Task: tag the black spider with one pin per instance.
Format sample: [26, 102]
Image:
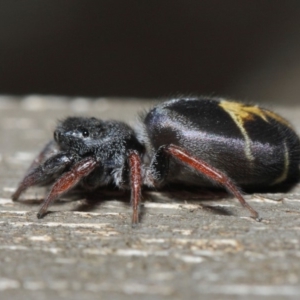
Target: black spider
[192, 141]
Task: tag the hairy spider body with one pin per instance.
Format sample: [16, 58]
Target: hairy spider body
[192, 141]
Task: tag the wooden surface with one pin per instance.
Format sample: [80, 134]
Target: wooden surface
[187, 245]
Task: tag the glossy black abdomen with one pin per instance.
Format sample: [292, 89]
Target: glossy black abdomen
[253, 146]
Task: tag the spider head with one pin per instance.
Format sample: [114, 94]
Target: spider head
[79, 134]
[104, 139]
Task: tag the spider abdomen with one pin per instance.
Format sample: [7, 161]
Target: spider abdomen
[253, 146]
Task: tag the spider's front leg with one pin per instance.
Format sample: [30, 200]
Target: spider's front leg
[44, 173]
[67, 181]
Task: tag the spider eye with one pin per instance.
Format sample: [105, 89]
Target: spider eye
[85, 133]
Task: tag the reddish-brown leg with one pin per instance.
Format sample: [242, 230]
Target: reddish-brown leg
[136, 183]
[67, 181]
[28, 181]
[212, 173]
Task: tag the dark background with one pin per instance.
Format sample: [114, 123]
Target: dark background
[243, 49]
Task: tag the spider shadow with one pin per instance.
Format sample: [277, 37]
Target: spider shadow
[193, 195]
[170, 194]
[87, 200]
[93, 199]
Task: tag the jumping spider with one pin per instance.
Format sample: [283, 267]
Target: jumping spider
[193, 141]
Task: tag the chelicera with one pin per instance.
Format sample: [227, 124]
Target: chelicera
[191, 141]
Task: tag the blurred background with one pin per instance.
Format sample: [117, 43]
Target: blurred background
[245, 49]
